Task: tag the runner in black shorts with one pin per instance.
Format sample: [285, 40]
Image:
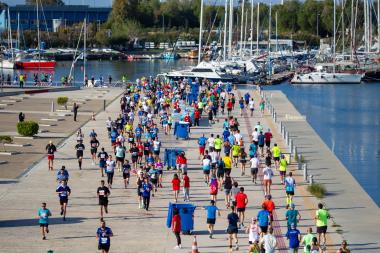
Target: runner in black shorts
[94, 144]
[126, 172]
[103, 192]
[80, 148]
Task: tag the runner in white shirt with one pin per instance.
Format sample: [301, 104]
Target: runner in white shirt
[255, 163]
[251, 105]
[238, 137]
[206, 166]
[255, 137]
[268, 174]
[214, 159]
[211, 143]
[259, 127]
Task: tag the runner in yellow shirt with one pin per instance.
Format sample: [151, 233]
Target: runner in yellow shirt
[218, 144]
[227, 164]
[283, 164]
[276, 153]
[235, 153]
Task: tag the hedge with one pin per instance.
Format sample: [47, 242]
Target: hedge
[27, 128]
[62, 100]
[5, 139]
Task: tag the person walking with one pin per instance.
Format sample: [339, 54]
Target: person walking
[146, 188]
[103, 193]
[233, 229]
[75, 111]
[251, 105]
[267, 179]
[186, 187]
[269, 206]
[292, 216]
[307, 239]
[50, 150]
[94, 144]
[120, 156]
[321, 218]
[43, 220]
[126, 173]
[103, 235]
[290, 185]
[176, 227]
[283, 166]
[276, 152]
[269, 241]
[62, 174]
[211, 217]
[63, 191]
[176, 186]
[254, 165]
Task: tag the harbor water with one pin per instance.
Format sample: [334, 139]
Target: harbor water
[347, 117]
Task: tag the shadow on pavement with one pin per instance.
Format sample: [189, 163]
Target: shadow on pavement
[34, 222]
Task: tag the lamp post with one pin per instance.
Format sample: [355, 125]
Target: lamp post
[318, 24]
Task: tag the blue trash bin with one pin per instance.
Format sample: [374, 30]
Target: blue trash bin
[181, 130]
[186, 212]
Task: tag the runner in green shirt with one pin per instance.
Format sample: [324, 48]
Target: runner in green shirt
[306, 240]
[235, 153]
[321, 217]
[276, 152]
[218, 144]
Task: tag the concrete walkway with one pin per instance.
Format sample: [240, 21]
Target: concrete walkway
[134, 229]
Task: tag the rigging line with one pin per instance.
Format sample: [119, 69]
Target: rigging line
[43, 14]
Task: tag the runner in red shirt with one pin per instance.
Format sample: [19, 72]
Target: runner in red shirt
[229, 107]
[176, 186]
[176, 227]
[140, 146]
[268, 135]
[269, 205]
[197, 116]
[241, 202]
[186, 187]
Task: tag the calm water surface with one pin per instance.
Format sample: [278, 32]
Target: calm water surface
[347, 117]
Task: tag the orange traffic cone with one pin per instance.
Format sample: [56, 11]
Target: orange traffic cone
[194, 247]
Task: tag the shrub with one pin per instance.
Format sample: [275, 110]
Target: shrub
[5, 139]
[62, 100]
[27, 128]
[318, 190]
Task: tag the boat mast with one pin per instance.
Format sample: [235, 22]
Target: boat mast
[10, 40]
[252, 27]
[276, 34]
[241, 28]
[334, 36]
[84, 51]
[18, 30]
[225, 30]
[200, 33]
[245, 27]
[257, 27]
[352, 29]
[269, 37]
[343, 28]
[38, 38]
[378, 26]
[230, 24]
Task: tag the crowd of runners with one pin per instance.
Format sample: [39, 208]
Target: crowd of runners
[134, 153]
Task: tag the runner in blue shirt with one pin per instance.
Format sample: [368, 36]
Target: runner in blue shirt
[146, 189]
[294, 237]
[211, 216]
[202, 145]
[246, 98]
[103, 235]
[252, 149]
[261, 142]
[63, 191]
[138, 132]
[226, 134]
[43, 220]
[263, 218]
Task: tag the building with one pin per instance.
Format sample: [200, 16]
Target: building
[51, 16]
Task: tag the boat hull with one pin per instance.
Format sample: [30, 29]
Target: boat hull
[35, 64]
[327, 78]
[5, 64]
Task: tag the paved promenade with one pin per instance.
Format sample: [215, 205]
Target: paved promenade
[138, 231]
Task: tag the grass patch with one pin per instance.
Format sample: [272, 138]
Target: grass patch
[302, 158]
[318, 190]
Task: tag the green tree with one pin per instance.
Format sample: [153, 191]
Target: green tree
[123, 10]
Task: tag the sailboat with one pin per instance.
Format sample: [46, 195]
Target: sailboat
[34, 61]
[8, 63]
[326, 73]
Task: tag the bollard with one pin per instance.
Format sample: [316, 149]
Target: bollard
[290, 145]
[294, 151]
[283, 133]
[299, 161]
[287, 137]
[52, 107]
[311, 180]
[104, 105]
[304, 167]
[275, 117]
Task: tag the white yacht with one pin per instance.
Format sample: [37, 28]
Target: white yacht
[324, 75]
[203, 70]
[7, 64]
